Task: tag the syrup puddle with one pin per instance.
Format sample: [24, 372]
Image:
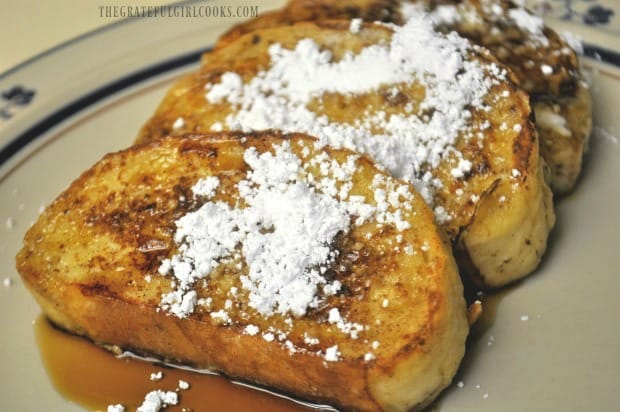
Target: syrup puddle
[478, 330]
[94, 378]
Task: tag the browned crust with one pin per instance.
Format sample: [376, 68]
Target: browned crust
[83, 262]
[316, 11]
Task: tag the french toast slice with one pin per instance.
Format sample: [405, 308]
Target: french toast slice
[260, 256]
[456, 124]
[544, 63]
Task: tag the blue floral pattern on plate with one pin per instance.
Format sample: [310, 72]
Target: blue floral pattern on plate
[589, 12]
[13, 99]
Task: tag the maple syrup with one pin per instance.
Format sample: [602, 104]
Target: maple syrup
[490, 304]
[94, 378]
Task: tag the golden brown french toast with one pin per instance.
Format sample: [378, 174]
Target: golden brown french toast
[387, 11]
[430, 108]
[307, 270]
[545, 65]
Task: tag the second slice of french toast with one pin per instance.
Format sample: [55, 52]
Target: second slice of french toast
[545, 64]
[431, 108]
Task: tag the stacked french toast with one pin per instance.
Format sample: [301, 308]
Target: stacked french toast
[300, 211]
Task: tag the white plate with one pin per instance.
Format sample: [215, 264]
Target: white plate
[552, 342]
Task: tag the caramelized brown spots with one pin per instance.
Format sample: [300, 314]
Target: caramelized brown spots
[97, 289]
[523, 146]
[568, 88]
[198, 148]
[99, 263]
[117, 219]
[394, 99]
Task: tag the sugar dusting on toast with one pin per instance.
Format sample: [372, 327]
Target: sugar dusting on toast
[286, 220]
[405, 144]
[288, 214]
[530, 25]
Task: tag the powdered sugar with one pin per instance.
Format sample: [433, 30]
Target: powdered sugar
[278, 230]
[156, 376]
[546, 69]
[529, 23]
[157, 400]
[230, 87]
[284, 232]
[302, 223]
[407, 145]
[178, 123]
[573, 41]
[206, 187]
[446, 13]
[355, 25]
[332, 354]
[350, 328]
[369, 357]
[483, 12]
